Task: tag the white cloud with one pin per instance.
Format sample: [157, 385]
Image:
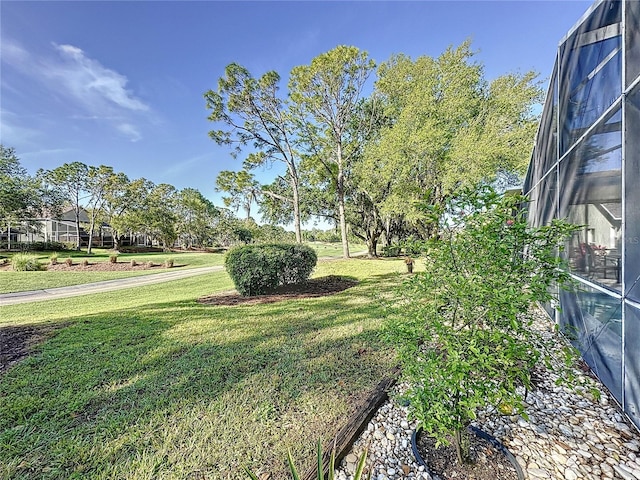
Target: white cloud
[90, 82]
[97, 92]
[13, 54]
[130, 131]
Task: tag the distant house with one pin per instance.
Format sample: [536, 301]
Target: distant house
[59, 229]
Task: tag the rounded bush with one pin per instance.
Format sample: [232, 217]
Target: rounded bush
[257, 269]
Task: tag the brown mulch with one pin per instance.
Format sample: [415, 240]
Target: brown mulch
[17, 342]
[96, 267]
[488, 463]
[102, 267]
[315, 287]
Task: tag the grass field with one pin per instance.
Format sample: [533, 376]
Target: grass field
[11, 281]
[335, 249]
[147, 383]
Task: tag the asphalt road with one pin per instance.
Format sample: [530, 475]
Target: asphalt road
[106, 286]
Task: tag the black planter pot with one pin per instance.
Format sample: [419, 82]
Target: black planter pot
[479, 433]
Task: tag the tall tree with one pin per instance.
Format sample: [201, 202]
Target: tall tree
[97, 185]
[123, 199]
[449, 128]
[159, 216]
[241, 187]
[70, 180]
[327, 94]
[197, 217]
[254, 116]
[21, 196]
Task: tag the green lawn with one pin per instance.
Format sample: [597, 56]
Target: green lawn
[11, 281]
[147, 383]
[335, 249]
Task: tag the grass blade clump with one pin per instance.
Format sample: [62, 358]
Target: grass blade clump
[24, 262]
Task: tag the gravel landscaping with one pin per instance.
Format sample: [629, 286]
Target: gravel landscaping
[569, 435]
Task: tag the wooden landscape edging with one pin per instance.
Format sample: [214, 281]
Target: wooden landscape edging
[348, 434]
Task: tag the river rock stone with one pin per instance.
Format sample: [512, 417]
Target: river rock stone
[569, 435]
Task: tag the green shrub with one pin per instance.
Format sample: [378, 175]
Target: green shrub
[463, 325]
[257, 269]
[391, 250]
[33, 246]
[22, 262]
[53, 259]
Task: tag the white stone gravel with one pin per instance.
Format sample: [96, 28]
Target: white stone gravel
[570, 434]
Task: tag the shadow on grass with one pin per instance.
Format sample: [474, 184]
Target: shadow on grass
[178, 389]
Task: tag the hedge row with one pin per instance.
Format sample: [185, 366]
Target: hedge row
[34, 246]
[258, 269]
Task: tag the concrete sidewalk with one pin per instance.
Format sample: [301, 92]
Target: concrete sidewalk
[99, 287]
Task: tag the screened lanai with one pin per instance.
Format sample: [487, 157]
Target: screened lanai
[586, 168]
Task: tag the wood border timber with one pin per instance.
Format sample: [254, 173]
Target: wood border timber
[348, 434]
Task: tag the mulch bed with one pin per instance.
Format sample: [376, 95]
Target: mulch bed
[315, 287]
[17, 342]
[489, 463]
[96, 267]
[103, 267]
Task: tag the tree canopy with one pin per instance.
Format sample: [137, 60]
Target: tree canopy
[370, 155]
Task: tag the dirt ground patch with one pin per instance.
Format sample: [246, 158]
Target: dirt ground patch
[17, 342]
[315, 287]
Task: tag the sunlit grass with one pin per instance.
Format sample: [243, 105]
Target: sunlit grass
[148, 383]
[11, 281]
[325, 249]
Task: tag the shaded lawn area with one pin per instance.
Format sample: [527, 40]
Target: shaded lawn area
[11, 281]
[151, 384]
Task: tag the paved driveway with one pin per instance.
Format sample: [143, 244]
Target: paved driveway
[106, 286]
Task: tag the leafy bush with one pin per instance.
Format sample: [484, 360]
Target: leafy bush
[34, 246]
[23, 262]
[391, 250]
[257, 269]
[139, 249]
[463, 333]
[53, 259]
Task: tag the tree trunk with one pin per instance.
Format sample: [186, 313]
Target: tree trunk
[296, 205]
[463, 445]
[90, 237]
[78, 240]
[372, 247]
[341, 213]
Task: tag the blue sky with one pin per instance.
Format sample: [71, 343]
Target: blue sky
[121, 83]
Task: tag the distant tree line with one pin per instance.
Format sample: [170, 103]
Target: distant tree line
[374, 164]
[164, 214]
